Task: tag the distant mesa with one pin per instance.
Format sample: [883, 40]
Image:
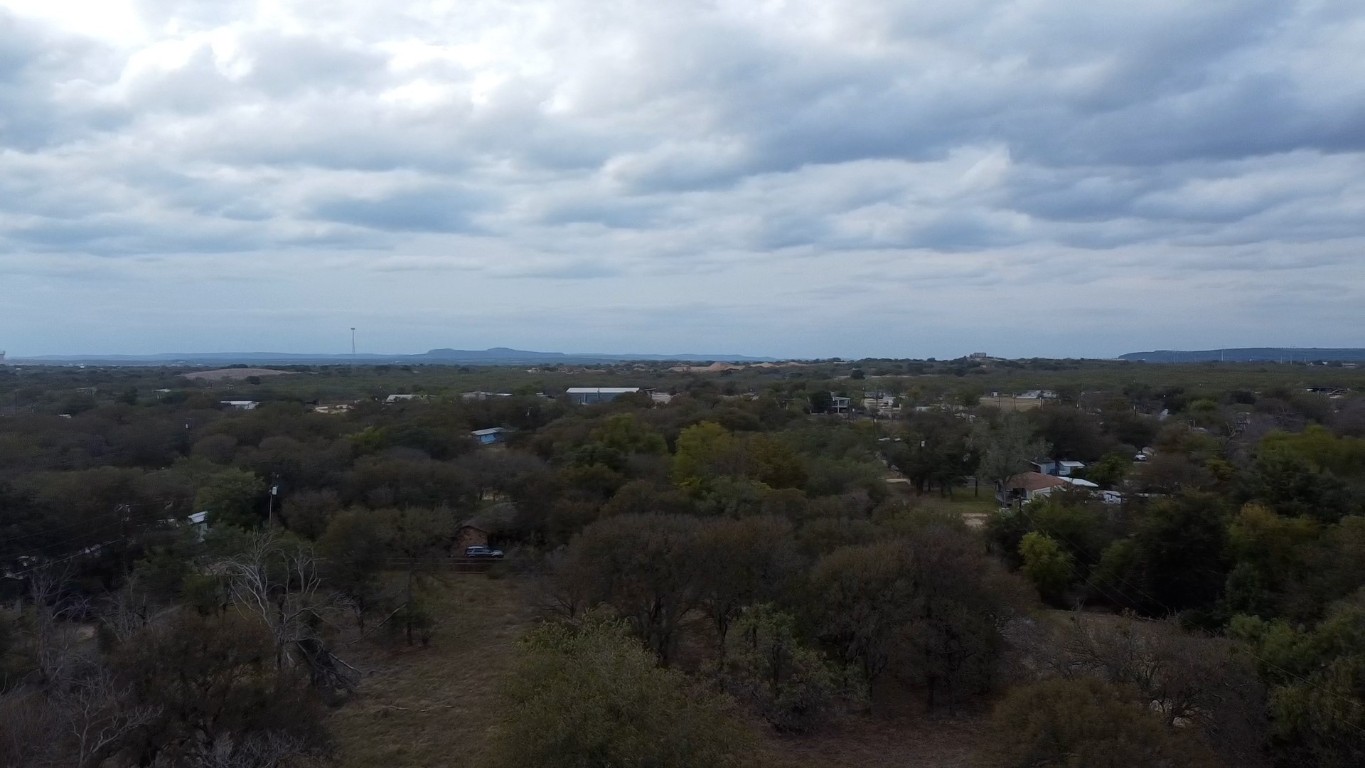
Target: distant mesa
[234, 374]
[1250, 355]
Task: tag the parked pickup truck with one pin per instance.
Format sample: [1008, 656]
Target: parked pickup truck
[482, 553]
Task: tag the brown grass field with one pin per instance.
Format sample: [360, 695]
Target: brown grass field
[437, 706]
[234, 374]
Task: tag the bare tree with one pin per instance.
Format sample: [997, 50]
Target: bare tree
[127, 611]
[277, 581]
[30, 730]
[1191, 681]
[54, 632]
[101, 716]
[272, 749]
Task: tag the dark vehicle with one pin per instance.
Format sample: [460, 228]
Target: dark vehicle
[482, 553]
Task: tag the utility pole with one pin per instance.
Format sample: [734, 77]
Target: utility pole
[352, 349]
[274, 491]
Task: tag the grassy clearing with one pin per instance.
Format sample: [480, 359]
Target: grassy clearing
[435, 706]
[872, 742]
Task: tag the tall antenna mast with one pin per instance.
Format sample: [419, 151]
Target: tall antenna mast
[353, 348]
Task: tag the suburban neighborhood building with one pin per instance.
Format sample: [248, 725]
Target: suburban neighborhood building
[1027, 486]
[483, 395]
[490, 436]
[882, 404]
[1068, 468]
[594, 395]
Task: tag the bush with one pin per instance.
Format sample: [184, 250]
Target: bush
[1086, 723]
[791, 686]
[586, 695]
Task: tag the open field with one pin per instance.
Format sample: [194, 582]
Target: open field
[437, 706]
[426, 707]
[234, 374]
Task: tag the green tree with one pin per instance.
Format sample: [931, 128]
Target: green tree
[1086, 723]
[354, 551]
[646, 567]
[1183, 549]
[218, 696]
[741, 563]
[232, 497]
[1272, 554]
[1006, 447]
[1110, 471]
[1317, 679]
[926, 608]
[792, 686]
[1047, 565]
[705, 451]
[587, 696]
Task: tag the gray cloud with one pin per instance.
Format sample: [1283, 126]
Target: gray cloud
[419, 209]
[768, 175]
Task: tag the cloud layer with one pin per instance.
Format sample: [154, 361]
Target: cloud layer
[786, 177]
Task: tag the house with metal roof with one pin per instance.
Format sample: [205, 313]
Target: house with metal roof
[594, 395]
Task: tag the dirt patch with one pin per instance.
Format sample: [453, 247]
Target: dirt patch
[435, 706]
[872, 742]
[234, 374]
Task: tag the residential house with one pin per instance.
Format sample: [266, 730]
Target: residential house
[471, 534]
[491, 436]
[1044, 466]
[1028, 486]
[882, 404]
[1076, 482]
[484, 395]
[1068, 468]
[480, 530]
[240, 405]
[594, 395]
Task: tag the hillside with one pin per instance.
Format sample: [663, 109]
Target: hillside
[1250, 355]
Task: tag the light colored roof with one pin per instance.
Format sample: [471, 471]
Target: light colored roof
[1073, 464]
[601, 390]
[1079, 483]
[489, 431]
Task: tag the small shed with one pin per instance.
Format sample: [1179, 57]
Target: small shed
[490, 436]
[1066, 468]
[486, 526]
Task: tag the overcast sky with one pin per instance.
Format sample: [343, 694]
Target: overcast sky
[787, 178]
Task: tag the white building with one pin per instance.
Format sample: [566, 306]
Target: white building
[593, 395]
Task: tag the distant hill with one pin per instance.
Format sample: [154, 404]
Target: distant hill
[505, 356]
[1250, 355]
[494, 356]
